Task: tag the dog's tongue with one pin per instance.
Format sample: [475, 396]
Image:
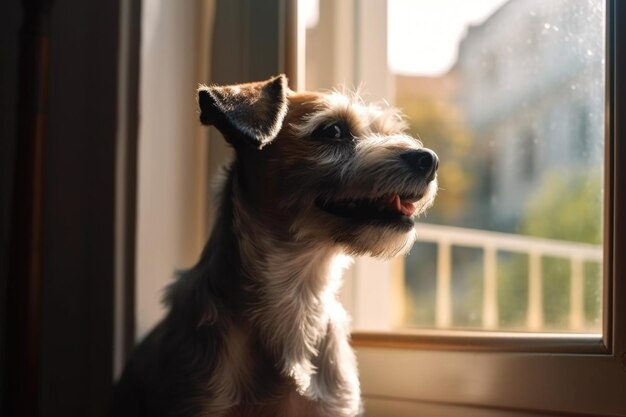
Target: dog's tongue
[404, 207]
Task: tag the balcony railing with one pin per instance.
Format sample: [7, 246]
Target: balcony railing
[491, 243]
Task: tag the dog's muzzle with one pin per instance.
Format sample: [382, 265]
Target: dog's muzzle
[424, 161]
[394, 206]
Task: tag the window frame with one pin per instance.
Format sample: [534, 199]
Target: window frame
[535, 374]
[556, 373]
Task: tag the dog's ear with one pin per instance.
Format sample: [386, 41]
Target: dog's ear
[253, 112]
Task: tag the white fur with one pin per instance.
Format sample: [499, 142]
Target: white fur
[298, 315]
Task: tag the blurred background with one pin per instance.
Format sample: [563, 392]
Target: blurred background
[510, 94]
[106, 173]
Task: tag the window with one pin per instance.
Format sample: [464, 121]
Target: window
[506, 123]
[510, 298]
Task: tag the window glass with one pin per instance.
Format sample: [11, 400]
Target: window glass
[510, 94]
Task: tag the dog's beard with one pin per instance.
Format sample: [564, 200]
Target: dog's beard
[381, 242]
[385, 235]
[356, 238]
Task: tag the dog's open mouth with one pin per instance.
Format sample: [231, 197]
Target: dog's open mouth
[390, 208]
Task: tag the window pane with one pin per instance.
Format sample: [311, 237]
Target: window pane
[510, 94]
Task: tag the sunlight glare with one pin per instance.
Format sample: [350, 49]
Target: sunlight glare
[424, 35]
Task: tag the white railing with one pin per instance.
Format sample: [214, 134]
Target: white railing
[446, 237]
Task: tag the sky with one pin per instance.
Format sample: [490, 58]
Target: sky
[424, 34]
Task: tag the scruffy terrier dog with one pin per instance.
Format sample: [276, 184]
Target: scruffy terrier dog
[255, 328]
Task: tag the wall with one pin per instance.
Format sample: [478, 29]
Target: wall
[177, 156]
[172, 180]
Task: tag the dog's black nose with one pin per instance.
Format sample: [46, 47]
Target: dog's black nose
[424, 161]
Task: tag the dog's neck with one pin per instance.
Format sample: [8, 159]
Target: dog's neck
[293, 287]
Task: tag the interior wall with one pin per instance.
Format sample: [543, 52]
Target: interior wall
[224, 42]
[172, 181]
[246, 46]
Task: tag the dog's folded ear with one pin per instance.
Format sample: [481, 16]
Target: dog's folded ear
[253, 112]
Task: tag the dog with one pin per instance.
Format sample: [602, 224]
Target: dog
[255, 327]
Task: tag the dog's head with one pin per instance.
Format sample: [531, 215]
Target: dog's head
[324, 167]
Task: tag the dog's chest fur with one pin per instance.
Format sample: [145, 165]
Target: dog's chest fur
[287, 284]
[291, 404]
[247, 370]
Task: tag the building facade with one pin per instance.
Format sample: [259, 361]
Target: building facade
[531, 85]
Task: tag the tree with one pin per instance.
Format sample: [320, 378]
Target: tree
[566, 206]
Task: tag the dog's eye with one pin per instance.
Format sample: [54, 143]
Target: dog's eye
[331, 131]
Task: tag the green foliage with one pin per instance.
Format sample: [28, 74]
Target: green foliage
[593, 294]
[566, 206]
[555, 291]
[421, 284]
[467, 281]
[512, 290]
